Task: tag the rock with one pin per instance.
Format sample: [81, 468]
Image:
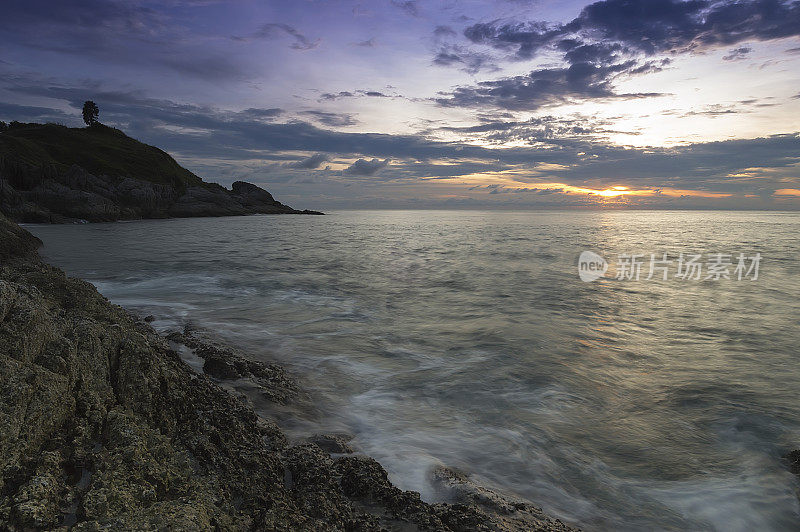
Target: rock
[15, 242]
[37, 503]
[333, 443]
[251, 195]
[149, 318]
[222, 362]
[792, 460]
[508, 512]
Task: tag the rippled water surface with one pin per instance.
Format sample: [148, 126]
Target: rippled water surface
[467, 339]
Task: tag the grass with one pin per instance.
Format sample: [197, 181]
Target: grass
[100, 150]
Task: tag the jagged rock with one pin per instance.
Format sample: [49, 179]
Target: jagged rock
[222, 362]
[508, 512]
[251, 195]
[792, 460]
[333, 443]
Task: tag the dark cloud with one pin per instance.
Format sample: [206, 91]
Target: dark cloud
[611, 38]
[116, 33]
[469, 61]
[369, 43]
[332, 119]
[352, 94]
[31, 113]
[337, 95]
[312, 162]
[409, 6]
[737, 54]
[80, 25]
[364, 167]
[262, 113]
[540, 129]
[544, 87]
[272, 30]
[444, 31]
[597, 53]
[650, 26]
[526, 39]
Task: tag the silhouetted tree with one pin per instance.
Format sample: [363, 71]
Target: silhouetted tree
[90, 112]
[3, 126]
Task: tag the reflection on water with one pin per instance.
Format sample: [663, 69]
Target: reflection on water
[466, 338]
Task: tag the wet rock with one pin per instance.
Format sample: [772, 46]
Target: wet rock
[222, 362]
[333, 443]
[792, 460]
[507, 512]
[149, 318]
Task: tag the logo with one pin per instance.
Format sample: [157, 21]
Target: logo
[591, 266]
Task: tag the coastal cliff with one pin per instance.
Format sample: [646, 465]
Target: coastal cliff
[55, 174]
[104, 427]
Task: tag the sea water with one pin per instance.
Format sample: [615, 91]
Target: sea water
[468, 339]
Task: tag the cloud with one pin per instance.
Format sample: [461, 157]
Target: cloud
[525, 38]
[737, 54]
[352, 94]
[369, 43]
[337, 95]
[332, 119]
[272, 30]
[364, 167]
[87, 23]
[538, 129]
[544, 87]
[114, 33]
[470, 62]
[612, 38]
[650, 26]
[444, 31]
[409, 6]
[312, 162]
[257, 113]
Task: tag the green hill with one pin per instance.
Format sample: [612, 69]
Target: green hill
[100, 150]
[53, 174]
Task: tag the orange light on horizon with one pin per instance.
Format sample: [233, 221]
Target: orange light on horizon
[618, 191]
[787, 192]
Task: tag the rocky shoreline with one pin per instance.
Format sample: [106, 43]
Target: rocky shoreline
[104, 427]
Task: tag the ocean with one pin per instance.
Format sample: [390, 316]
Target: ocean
[468, 339]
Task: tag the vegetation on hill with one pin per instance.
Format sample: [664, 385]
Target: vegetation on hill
[99, 149]
[55, 174]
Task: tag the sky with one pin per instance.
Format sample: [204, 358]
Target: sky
[506, 104]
